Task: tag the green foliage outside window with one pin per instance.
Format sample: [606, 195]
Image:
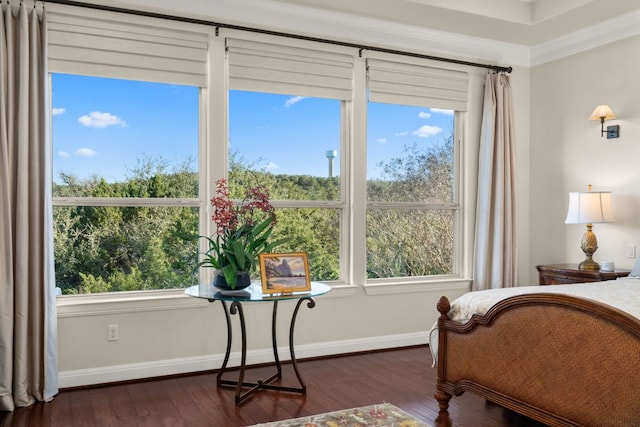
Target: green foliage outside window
[412, 242]
[106, 248]
[313, 230]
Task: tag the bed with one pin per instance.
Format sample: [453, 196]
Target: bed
[566, 355]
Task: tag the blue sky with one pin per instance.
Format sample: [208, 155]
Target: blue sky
[104, 126]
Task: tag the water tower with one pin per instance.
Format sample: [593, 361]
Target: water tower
[331, 154]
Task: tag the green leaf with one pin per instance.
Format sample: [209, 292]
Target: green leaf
[240, 256]
[230, 276]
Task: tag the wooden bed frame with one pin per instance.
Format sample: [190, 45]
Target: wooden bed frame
[561, 360]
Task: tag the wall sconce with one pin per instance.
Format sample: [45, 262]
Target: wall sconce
[602, 113]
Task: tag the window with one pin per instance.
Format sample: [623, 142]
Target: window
[125, 183]
[410, 191]
[141, 126]
[288, 103]
[126, 136]
[292, 146]
[412, 173]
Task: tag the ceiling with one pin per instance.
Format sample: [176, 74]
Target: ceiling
[525, 32]
[519, 11]
[525, 22]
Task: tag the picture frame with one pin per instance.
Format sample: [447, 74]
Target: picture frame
[284, 273]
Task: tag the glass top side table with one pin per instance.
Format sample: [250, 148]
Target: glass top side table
[253, 294]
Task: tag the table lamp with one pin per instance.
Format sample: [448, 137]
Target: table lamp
[591, 207]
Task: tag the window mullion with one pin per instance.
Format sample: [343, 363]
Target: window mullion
[124, 201]
[408, 205]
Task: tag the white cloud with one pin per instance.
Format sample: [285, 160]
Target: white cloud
[424, 115]
[403, 133]
[426, 131]
[97, 119]
[85, 152]
[441, 111]
[381, 140]
[57, 111]
[270, 166]
[293, 100]
[63, 154]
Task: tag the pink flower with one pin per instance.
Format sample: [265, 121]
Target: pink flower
[243, 231]
[254, 207]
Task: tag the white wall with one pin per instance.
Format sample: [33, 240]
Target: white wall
[172, 333]
[520, 84]
[567, 152]
[183, 334]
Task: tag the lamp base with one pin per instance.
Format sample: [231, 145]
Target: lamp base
[589, 265]
[589, 246]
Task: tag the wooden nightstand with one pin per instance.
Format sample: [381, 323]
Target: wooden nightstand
[562, 274]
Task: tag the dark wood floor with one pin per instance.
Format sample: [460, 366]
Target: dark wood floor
[402, 377]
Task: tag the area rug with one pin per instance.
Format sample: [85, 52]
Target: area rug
[382, 415]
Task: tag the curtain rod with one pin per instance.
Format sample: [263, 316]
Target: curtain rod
[496, 68]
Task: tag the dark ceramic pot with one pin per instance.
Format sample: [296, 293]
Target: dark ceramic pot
[243, 281]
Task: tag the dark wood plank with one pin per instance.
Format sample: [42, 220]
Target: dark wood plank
[403, 377]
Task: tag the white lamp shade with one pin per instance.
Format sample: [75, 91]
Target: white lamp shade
[589, 208]
[602, 111]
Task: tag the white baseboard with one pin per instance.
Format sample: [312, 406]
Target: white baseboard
[158, 368]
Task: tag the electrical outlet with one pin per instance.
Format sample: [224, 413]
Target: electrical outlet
[113, 334]
[631, 250]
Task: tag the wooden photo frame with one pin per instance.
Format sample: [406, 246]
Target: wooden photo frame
[284, 273]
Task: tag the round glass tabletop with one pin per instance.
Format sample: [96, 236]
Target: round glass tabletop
[253, 293]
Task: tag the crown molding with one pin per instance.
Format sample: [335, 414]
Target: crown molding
[605, 32]
[358, 29]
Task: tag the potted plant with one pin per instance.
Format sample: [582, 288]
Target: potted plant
[242, 233]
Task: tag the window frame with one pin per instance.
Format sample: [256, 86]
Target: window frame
[281, 77]
[125, 202]
[212, 165]
[455, 205]
[339, 205]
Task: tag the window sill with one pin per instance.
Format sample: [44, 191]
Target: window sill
[125, 302]
[175, 299]
[133, 302]
[438, 285]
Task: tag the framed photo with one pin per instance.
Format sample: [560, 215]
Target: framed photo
[284, 273]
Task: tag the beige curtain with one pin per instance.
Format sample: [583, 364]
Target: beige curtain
[28, 352]
[495, 254]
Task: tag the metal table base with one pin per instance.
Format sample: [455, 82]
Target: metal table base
[245, 390]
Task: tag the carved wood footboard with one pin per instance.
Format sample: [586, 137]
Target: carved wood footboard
[561, 360]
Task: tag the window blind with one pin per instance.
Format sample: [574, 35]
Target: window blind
[288, 69]
[421, 86]
[116, 45]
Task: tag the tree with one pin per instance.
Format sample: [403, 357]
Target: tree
[412, 242]
[107, 248]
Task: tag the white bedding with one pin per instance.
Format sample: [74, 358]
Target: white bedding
[623, 294]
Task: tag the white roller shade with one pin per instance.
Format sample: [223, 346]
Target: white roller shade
[421, 86]
[117, 45]
[287, 69]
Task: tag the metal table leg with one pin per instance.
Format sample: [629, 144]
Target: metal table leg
[252, 388]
